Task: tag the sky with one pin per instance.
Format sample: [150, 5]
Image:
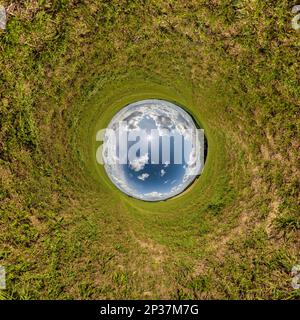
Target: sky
[153, 172]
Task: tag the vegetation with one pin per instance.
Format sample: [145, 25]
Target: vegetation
[66, 67]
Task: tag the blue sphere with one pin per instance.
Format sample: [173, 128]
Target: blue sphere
[156, 152]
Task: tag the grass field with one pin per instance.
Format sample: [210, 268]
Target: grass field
[66, 67]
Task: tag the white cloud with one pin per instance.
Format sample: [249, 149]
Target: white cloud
[138, 164]
[143, 176]
[166, 164]
[162, 172]
[153, 195]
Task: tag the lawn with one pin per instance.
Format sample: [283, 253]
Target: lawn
[66, 67]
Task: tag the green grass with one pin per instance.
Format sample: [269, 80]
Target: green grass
[66, 67]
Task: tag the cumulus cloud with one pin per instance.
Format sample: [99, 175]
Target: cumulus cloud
[153, 195]
[117, 176]
[166, 164]
[143, 176]
[139, 163]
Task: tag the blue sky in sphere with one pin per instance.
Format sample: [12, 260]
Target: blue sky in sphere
[174, 171]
